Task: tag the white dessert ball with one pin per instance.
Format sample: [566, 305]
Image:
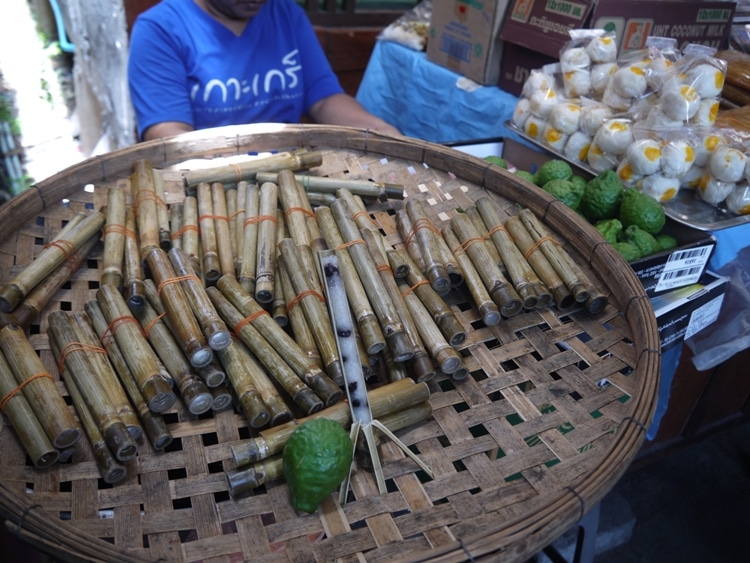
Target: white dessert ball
[577, 82]
[706, 146]
[659, 69]
[542, 102]
[680, 103]
[577, 147]
[565, 117]
[554, 138]
[614, 136]
[747, 171]
[592, 117]
[602, 49]
[727, 164]
[692, 177]
[600, 76]
[707, 79]
[534, 127]
[537, 81]
[661, 188]
[677, 157]
[630, 81]
[614, 100]
[627, 175]
[574, 58]
[598, 160]
[712, 190]
[644, 156]
[708, 111]
[657, 118]
[521, 112]
[738, 201]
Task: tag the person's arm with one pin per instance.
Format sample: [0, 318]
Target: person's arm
[166, 129]
[342, 109]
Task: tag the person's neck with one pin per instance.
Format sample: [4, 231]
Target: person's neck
[236, 26]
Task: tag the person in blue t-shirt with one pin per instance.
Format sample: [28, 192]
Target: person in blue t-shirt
[195, 64]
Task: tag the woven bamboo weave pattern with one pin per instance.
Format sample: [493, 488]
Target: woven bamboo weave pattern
[553, 410]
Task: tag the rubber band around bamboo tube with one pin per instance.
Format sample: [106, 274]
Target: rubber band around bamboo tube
[8, 396]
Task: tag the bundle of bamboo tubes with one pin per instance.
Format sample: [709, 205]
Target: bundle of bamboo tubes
[217, 300]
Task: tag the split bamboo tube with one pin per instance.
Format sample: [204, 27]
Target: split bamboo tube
[243, 383]
[486, 307]
[265, 257]
[39, 388]
[384, 400]
[235, 173]
[213, 327]
[246, 274]
[307, 370]
[110, 467]
[78, 372]
[182, 321]
[441, 313]
[193, 390]
[445, 356]
[55, 253]
[176, 223]
[324, 185]
[209, 244]
[243, 481]
[191, 232]
[425, 233]
[114, 237]
[145, 204]
[538, 260]
[553, 250]
[500, 290]
[140, 358]
[274, 361]
[15, 406]
[224, 244]
[390, 322]
[133, 291]
[87, 336]
[153, 423]
[277, 408]
[521, 273]
[313, 304]
[422, 367]
[367, 322]
[303, 336]
[162, 212]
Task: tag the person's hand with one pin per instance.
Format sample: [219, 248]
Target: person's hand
[342, 109]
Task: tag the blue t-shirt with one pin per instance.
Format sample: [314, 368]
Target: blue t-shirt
[185, 66]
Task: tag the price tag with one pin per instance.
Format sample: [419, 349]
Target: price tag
[684, 267]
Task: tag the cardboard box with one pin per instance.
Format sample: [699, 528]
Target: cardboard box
[516, 64]
[465, 38]
[683, 312]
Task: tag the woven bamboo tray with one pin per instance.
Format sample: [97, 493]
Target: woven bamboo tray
[521, 450]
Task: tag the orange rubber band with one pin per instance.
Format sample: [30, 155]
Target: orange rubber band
[249, 319]
[152, 322]
[537, 244]
[301, 210]
[301, 296]
[213, 218]
[356, 216]
[13, 392]
[237, 172]
[346, 245]
[384, 268]
[112, 327]
[414, 287]
[69, 250]
[469, 241]
[176, 279]
[178, 234]
[117, 229]
[71, 347]
[424, 223]
[495, 229]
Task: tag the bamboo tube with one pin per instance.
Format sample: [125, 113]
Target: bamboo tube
[501, 292]
[472, 212]
[86, 334]
[145, 206]
[54, 254]
[243, 481]
[39, 388]
[266, 246]
[325, 185]
[295, 208]
[367, 322]
[553, 251]
[162, 212]
[317, 241]
[404, 225]
[77, 371]
[15, 406]
[317, 199]
[37, 299]
[277, 408]
[308, 371]
[222, 396]
[193, 390]
[390, 322]
[209, 244]
[139, 356]
[425, 233]
[239, 224]
[597, 300]
[224, 245]
[213, 327]
[213, 374]
[182, 321]
[519, 270]
[384, 400]
[133, 291]
[235, 173]
[486, 307]
[361, 216]
[445, 356]
[191, 232]
[313, 305]
[399, 264]
[422, 367]
[114, 238]
[176, 223]
[230, 195]
[274, 362]
[250, 238]
[442, 315]
[243, 383]
[153, 423]
[278, 305]
[303, 336]
[538, 260]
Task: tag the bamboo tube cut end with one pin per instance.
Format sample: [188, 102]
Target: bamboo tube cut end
[255, 410]
[46, 459]
[308, 401]
[197, 397]
[158, 395]
[243, 481]
[67, 438]
[421, 368]
[120, 441]
[10, 296]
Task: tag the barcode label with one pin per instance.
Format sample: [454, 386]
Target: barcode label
[684, 267]
[456, 49]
